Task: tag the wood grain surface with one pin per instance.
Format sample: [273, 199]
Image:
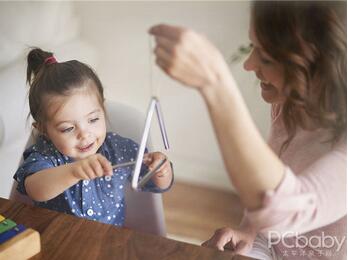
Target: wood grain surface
[67, 237]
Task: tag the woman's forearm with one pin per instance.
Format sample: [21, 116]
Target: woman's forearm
[192, 60]
[49, 183]
[251, 164]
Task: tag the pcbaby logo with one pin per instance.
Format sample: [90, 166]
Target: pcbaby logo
[301, 241]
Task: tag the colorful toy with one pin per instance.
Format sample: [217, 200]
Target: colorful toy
[17, 241]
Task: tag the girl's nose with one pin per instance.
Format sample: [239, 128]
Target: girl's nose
[83, 133]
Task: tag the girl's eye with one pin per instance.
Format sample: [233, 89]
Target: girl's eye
[67, 130]
[94, 120]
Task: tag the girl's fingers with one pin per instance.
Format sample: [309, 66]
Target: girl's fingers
[88, 170]
[156, 161]
[105, 164]
[164, 169]
[82, 174]
[97, 168]
[162, 173]
[147, 159]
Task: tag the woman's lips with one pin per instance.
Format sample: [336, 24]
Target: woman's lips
[265, 86]
[85, 148]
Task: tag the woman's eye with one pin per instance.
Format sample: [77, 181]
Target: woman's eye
[94, 120]
[265, 61]
[67, 130]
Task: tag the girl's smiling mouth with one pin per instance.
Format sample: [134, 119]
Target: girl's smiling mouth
[86, 148]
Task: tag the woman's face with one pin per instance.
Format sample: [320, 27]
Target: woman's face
[267, 70]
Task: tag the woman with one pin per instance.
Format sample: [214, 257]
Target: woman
[294, 187]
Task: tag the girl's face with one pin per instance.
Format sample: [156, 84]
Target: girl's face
[76, 124]
[267, 70]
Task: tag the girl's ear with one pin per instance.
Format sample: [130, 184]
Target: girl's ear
[39, 128]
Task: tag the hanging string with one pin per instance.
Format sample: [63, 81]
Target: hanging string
[153, 85]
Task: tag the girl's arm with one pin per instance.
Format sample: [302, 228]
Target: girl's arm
[49, 183]
[191, 59]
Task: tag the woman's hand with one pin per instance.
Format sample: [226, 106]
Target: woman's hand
[164, 174]
[189, 57]
[91, 167]
[235, 240]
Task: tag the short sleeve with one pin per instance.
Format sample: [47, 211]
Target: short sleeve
[33, 162]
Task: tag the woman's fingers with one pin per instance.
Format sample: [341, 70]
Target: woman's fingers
[221, 240]
[188, 57]
[206, 243]
[166, 31]
[163, 58]
[241, 247]
[167, 45]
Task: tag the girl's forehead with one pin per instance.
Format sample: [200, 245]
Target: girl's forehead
[76, 104]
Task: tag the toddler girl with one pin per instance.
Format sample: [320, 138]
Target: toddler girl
[69, 168]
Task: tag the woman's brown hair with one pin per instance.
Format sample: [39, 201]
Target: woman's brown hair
[55, 78]
[309, 39]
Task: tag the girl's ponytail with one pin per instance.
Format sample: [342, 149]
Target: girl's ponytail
[36, 60]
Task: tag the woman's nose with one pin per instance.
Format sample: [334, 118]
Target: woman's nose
[250, 63]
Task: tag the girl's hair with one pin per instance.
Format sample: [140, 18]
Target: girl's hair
[46, 78]
[309, 40]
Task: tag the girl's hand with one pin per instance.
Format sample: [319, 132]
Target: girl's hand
[235, 240]
[189, 57]
[164, 174]
[91, 167]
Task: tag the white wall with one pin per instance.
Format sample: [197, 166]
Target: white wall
[112, 37]
[49, 25]
[119, 31]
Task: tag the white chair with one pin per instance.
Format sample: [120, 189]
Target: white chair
[144, 210]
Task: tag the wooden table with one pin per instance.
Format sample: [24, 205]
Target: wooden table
[67, 237]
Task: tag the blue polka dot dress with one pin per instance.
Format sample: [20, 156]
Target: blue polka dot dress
[101, 199]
